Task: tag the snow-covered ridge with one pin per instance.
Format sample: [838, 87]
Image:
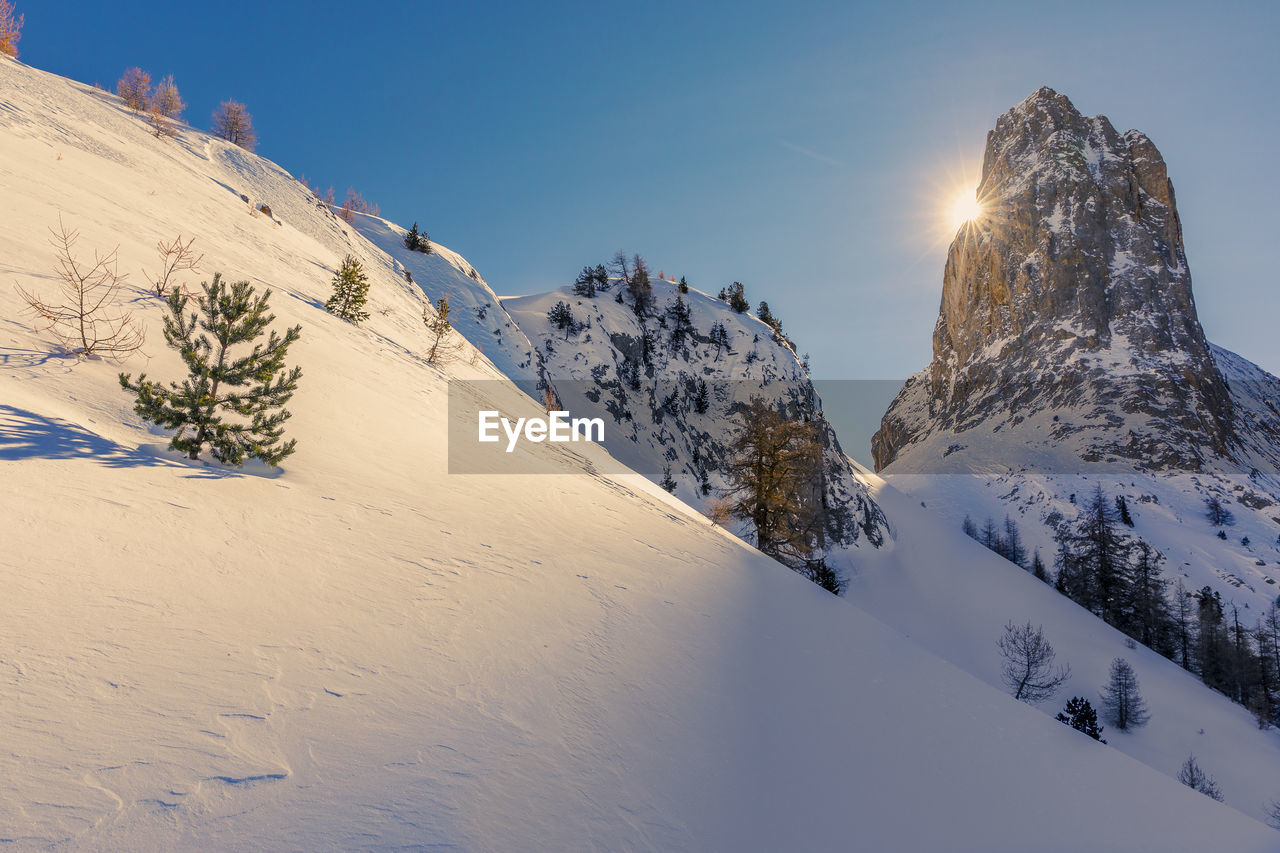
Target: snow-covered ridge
[673, 389]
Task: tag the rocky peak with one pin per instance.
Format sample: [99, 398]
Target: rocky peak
[1070, 292]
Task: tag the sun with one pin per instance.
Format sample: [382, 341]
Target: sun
[964, 208]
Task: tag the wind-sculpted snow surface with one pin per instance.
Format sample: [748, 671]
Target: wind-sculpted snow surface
[361, 651]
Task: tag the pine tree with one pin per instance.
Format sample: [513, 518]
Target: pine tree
[233, 404]
[1182, 625]
[683, 286]
[1122, 507]
[561, 316]
[668, 482]
[765, 315]
[823, 575]
[969, 528]
[1081, 716]
[681, 321]
[1095, 570]
[350, 292]
[988, 535]
[1122, 703]
[1037, 567]
[1218, 515]
[737, 298]
[1013, 549]
[639, 288]
[442, 348]
[1266, 638]
[1242, 664]
[1146, 612]
[1211, 644]
[701, 398]
[413, 240]
[720, 337]
[585, 283]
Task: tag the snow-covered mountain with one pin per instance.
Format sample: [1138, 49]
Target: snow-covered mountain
[1068, 357]
[1067, 318]
[672, 385]
[1068, 350]
[362, 651]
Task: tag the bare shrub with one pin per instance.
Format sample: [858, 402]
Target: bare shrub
[720, 510]
[161, 125]
[175, 257]
[134, 88]
[355, 203]
[86, 319]
[1193, 777]
[232, 122]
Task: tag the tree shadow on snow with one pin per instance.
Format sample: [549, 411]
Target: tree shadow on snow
[13, 357]
[26, 435]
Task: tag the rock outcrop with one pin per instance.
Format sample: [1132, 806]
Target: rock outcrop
[1067, 308]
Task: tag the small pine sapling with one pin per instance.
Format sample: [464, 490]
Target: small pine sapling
[442, 347]
[350, 292]
[232, 403]
[1081, 716]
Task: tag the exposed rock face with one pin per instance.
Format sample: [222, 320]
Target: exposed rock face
[1070, 296]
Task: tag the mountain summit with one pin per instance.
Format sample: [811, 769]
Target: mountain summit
[1067, 309]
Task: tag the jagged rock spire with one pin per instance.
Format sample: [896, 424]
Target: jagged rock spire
[1070, 292]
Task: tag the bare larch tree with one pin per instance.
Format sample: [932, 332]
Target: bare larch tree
[232, 122]
[1028, 669]
[86, 319]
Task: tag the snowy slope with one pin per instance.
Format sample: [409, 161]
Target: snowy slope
[476, 311]
[954, 596]
[364, 652]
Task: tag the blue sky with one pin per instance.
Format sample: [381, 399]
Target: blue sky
[804, 149]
